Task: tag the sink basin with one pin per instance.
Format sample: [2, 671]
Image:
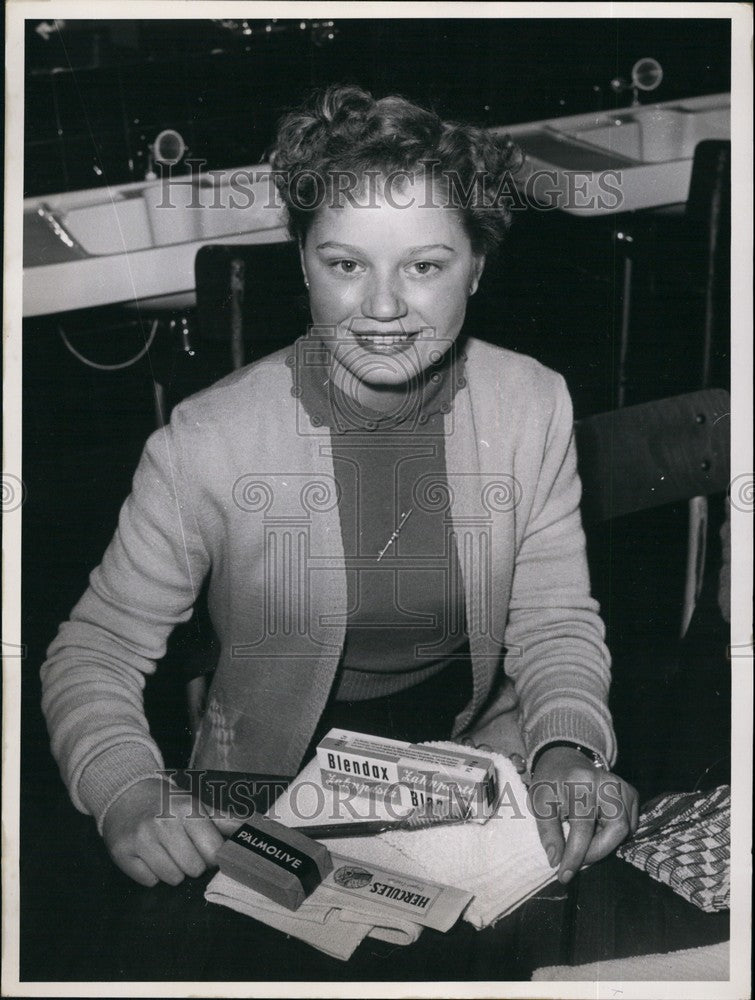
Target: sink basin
[658, 134]
[638, 157]
[156, 214]
[138, 242]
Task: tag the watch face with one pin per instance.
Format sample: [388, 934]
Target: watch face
[595, 759]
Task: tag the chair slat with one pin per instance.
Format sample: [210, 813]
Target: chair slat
[654, 453]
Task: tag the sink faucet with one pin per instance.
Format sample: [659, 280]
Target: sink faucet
[168, 149]
[646, 75]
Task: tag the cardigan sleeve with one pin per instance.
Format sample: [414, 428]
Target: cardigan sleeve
[96, 667]
[554, 637]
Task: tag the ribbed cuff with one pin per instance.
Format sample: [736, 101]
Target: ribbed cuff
[111, 773]
[571, 725]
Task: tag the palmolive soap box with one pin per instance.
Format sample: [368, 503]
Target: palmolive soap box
[282, 864]
[451, 783]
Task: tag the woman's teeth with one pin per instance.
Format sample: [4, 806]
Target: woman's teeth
[384, 340]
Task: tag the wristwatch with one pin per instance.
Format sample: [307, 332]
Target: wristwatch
[596, 759]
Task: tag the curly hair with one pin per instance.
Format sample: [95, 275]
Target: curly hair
[343, 136]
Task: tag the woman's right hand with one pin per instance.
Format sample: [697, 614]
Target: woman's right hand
[150, 846]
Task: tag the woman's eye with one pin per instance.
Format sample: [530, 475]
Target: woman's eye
[345, 266]
[423, 267]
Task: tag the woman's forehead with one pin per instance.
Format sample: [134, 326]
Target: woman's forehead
[405, 217]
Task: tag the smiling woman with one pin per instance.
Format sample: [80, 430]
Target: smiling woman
[387, 510]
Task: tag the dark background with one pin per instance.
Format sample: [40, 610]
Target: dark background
[99, 91]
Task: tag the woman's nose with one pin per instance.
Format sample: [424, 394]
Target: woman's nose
[384, 300]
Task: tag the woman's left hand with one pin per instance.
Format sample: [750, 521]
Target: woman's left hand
[600, 807]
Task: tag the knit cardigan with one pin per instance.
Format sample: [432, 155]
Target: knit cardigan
[241, 485]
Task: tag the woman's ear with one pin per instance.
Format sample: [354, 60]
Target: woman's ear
[478, 267]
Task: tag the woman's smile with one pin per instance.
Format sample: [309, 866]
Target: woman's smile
[385, 343]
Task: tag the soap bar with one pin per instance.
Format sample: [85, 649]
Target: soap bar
[281, 864]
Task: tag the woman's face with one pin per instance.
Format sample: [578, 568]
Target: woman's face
[388, 284]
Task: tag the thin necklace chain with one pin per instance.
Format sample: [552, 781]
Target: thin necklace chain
[396, 533]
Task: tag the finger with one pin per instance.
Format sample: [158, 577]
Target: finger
[136, 869]
[607, 838]
[182, 850]
[206, 837]
[545, 806]
[617, 817]
[581, 830]
[617, 799]
[552, 839]
[155, 856]
[634, 813]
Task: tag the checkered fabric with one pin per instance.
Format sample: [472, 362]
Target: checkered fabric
[683, 841]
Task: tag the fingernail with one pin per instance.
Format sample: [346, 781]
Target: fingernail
[566, 876]
[551, 852]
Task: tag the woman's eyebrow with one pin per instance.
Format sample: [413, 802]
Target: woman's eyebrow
[431, 246]
[331, 245]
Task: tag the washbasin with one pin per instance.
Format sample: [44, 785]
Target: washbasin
[635, 158]
[108, 221]
[138, 242]
[658, 135]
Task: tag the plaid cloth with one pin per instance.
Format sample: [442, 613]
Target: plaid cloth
[683, 841]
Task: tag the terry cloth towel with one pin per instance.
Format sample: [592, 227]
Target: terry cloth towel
[708, 964]
[683, 841]
[501, 862]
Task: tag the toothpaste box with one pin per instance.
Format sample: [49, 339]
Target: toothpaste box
[424, 902]
[452, 783]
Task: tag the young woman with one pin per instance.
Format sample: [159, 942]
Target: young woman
[388, 512]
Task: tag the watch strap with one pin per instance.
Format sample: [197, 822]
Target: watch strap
[596, 759]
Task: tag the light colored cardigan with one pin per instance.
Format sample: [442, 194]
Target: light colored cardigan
[241, 485]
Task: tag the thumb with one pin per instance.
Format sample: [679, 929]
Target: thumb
[545, 807]
[552, 839]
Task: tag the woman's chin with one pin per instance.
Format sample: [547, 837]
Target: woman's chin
[382, 365]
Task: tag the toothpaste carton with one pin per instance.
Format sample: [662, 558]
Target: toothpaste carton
[446, 783]
[424, 902]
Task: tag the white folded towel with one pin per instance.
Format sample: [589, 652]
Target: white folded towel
[321, 920]
[707, 964]
[319, 926]
[501, 862]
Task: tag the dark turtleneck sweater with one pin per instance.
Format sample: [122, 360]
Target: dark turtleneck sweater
[406, 617]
